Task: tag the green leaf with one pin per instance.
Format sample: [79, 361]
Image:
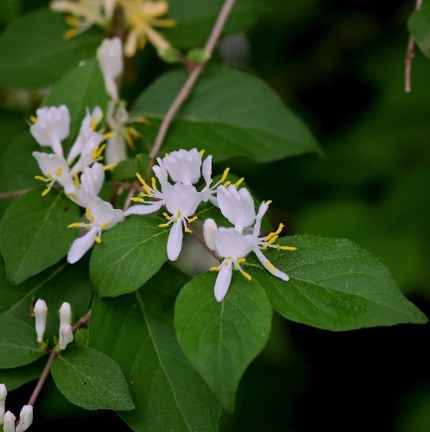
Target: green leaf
[129, 255]
[56, 285]
[137, 331]
[18, 376]
[127, 169]
[419, 26]
[33, 44]
[81, 89]
[335, 285]
[34, 233]
[91, 380]
[221, 339]
[194, 20]
[230, 113]
[18, 345]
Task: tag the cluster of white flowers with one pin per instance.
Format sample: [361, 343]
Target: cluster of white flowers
[80, 174]
[8, 420]
[65, 331]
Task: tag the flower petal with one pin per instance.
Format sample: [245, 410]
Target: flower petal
[143, 209]
[81, 245]
[223, 280]
[269, 266]
[174, 242]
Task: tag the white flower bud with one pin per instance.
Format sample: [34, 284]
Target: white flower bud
[209, 228]
[65, 314]
[9, 422]
[3, 394]
[25, 418]
[40, 313]
[66, 335]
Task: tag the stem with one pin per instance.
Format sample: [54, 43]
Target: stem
[82, 321]
[410, 54]
[192, 78]
[53, 354]
[203, 243]
[6, 195]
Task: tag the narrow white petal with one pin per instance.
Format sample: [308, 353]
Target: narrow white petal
[174, 242]
[116, 149]
[81, 245]
[9, 422]
[143, 209]
[40, 314]
[65, 313]
[25, 418]
[223, 280]
[269, 266]
[66, 335]
[209, 229]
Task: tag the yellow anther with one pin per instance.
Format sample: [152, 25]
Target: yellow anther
[33, 119]
[164, 225]
[76, 179]
[50, 177]
[88, 215]
[69, 34]
[108, 135]
[187, 230]
[97, 239]
[224, 175]
[217, 268]
[272, 239]
[241, 260]
[179, 213]
[286, 248]
[72, 195]
[95, 121]
[239, 182]
[144, 185]
[72, 21]
[76, 225]
[104, 225]
[271, 266]
[153, 183]
[202, 152]
[167, 216]
[97, 152]
[247, 276]
[227, 183]
[191, 220]
[137, 199]
[109, 167]
[268, 202]
[41, 178]
[46, 191]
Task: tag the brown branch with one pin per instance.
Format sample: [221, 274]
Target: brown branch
[11, 194]
[410, 54]
[192, 78]
[82, 321]
[200, 239]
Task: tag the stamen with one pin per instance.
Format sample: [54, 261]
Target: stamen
[241, 260]
[239, 182]
[72, 21]
[227, 183]
[217, 268]
[76, 179]
[109, 166]
[153, 183]
[33, 119]
[202, 152]
[72, 195]
[187, 230]
[224, 175]
[247, 276]
[69, 34]
[167, 216]
[192, 219]
[41, 178]
[104, 225]
[286, 248]
[76, 225]
[268, 202]
[164, 225]
[144, 185]
[95, 121]
[137, 199]
[179, 213]
[108, 135]
[46, 191]
[97, 239]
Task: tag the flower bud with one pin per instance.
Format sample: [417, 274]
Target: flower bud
[3, 394]
[65, 314]
[25, 418]
[66, 335]
[40, 313]
[209, 228]
[9, 422]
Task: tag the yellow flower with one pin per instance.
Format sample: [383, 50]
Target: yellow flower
[141, 17]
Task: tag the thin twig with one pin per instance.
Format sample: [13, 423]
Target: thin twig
[192, 78]
[410, 54]
[11, 194]
[82, 321]
[53, 354]
[199, 238]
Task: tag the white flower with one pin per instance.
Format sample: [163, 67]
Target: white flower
[101, 216]
[91, 182]
[55, 169]
[65, 314]
[9, 422]
[181, 201]
[51, 126]
[25, 418]
[237, 206]
[234, 244]
[109, 55]
[3, 394]
[183, 166]
[66, 336]
[40, 313]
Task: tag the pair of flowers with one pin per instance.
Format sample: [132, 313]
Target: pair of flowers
[8, 419]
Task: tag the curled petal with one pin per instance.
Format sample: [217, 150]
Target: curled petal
[25, 418]
[223, 280]
[81, 245]
[209, 229]
[144, 209]
[269, 266]
[174, 242]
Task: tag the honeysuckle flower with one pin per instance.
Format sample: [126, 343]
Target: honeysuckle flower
[237, 206]
[3, 394]
[91, 182]
[109, 55]
[183, 165]
[66, 336]
[51, 126]
[101, 216]
[234, 244]
[65, 313]
[84, 14]
[40, 314]
[141, 17]
[9, 422]
[25, 418]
